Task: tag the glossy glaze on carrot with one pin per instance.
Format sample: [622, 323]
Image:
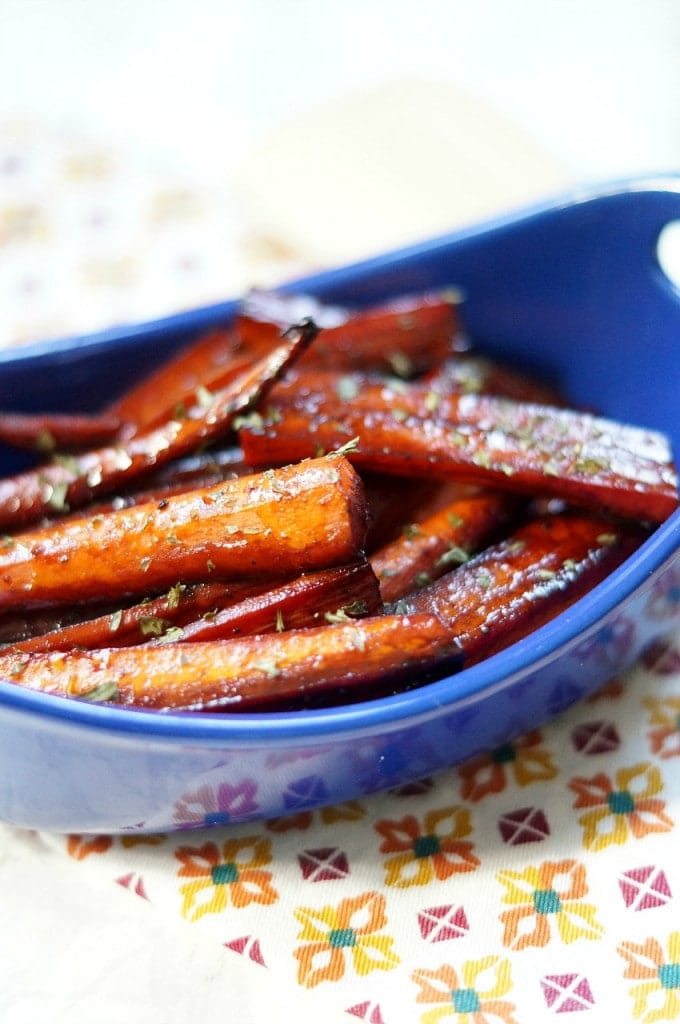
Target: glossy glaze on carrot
[429, 548]
[344, 661]
[533, 450]
[523, 581]
[272, 524]
[61, 485]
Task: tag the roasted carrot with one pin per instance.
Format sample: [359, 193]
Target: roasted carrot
[201, 364]
[341, 661]
[405, 335]
[536, 450]
[427, 549]
[48, 432]
[273, 524]
[516, 585]
[161, 616]
[56, 487]
[336, 594]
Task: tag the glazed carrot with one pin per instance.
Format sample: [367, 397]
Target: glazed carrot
[47, 432]
[342, 592]
[201, 364]
[339, 661]
[273, 524]
[56, 487]
[518, 584]
[435, 394]
[428, 549]
[536, 450]
[472, 373]
[138, 623]
[405, 335]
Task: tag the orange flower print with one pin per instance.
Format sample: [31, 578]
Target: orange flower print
[656, 994]
[525, 760]
[627, 806]
[546, 897]
[665, 718]
[81, 846]
[435, 850]
[474, 997]
[332, 936]
[217, 878]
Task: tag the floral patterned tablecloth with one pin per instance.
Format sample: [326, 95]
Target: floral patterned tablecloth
[540, 882]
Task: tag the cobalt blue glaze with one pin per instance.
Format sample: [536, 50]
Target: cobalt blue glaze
[573, 288]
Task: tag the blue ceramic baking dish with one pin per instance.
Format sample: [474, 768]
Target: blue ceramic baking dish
[574, 290]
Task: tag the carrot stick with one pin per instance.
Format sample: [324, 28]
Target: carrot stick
[138, 623]
[342, 592]
[274, 524]
[47, 432]
[512, 587]
[56, 487]
[537, 450]
[405, 335]
[342, 661]
[201, 364]
[445, 539]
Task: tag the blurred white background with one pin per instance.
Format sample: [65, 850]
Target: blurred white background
[312, 131]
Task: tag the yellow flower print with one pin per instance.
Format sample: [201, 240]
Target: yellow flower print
[472, 998]
[626, 806]
[550, 894]
[233, 875]
[656, 994]
[435, 850]
[525, 760]
[332, 935]
[665, 719]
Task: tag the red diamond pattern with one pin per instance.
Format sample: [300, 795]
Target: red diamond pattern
[440, 924]
[133, 882]
[567, 993]
[596, 737]
[644, 888]
[324, 865]
[368, 1011]
[246, 945]
[525, 825]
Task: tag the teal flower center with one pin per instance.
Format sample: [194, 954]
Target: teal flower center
[546, 901]
[504, 754]
[621, 802]
[224, 874]
[426, 846]
[465, 1000]
[669, 975]
[338, 937]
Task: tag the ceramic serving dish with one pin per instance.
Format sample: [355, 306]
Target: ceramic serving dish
[574, 290]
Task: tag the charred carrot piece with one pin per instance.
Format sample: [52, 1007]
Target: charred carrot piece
[273, 524]
[162, 616]
[336, 594]
[340, 661]
[177, 381]
[428, 549]
[537, 450]
[406, 335]
[518, 584]
[48, 432]
[59, 486]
